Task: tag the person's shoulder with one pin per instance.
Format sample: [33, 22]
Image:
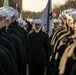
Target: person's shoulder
[45, 34]
[30, 33]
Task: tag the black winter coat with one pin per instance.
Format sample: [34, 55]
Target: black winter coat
[38, 47]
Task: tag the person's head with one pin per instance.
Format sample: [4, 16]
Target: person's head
[71, 19]
[13, 11]
[15, 16]
[3, 16]
[10, 14]
[74, 21]
[56, 23]
[21, 22]
[64, 19]
[37, 24]
[65, 16]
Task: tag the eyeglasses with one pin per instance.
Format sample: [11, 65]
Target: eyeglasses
[1, 18]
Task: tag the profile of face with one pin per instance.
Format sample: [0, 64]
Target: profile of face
[74, 26]
[2, 22]
[70, 23]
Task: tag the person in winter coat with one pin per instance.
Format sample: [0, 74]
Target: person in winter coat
[38, 49]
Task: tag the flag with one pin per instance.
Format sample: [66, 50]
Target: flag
[6, 3]
[47, 18]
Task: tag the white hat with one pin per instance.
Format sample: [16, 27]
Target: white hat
[20, 20]
[69, 10]
[74, 16]
[10, 14]
[63, 16]
[56, 21]
[16, 13]
[24, 23]
[9, 8]
[3, 13]
[37, 21]
[9, 11]
[3, 7]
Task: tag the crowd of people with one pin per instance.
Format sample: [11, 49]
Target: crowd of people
[23, 42]
[13, 46]
[63, 45]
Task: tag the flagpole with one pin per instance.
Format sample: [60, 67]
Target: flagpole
[48, 16]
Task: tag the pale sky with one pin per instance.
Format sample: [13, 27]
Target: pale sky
[39, 5]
